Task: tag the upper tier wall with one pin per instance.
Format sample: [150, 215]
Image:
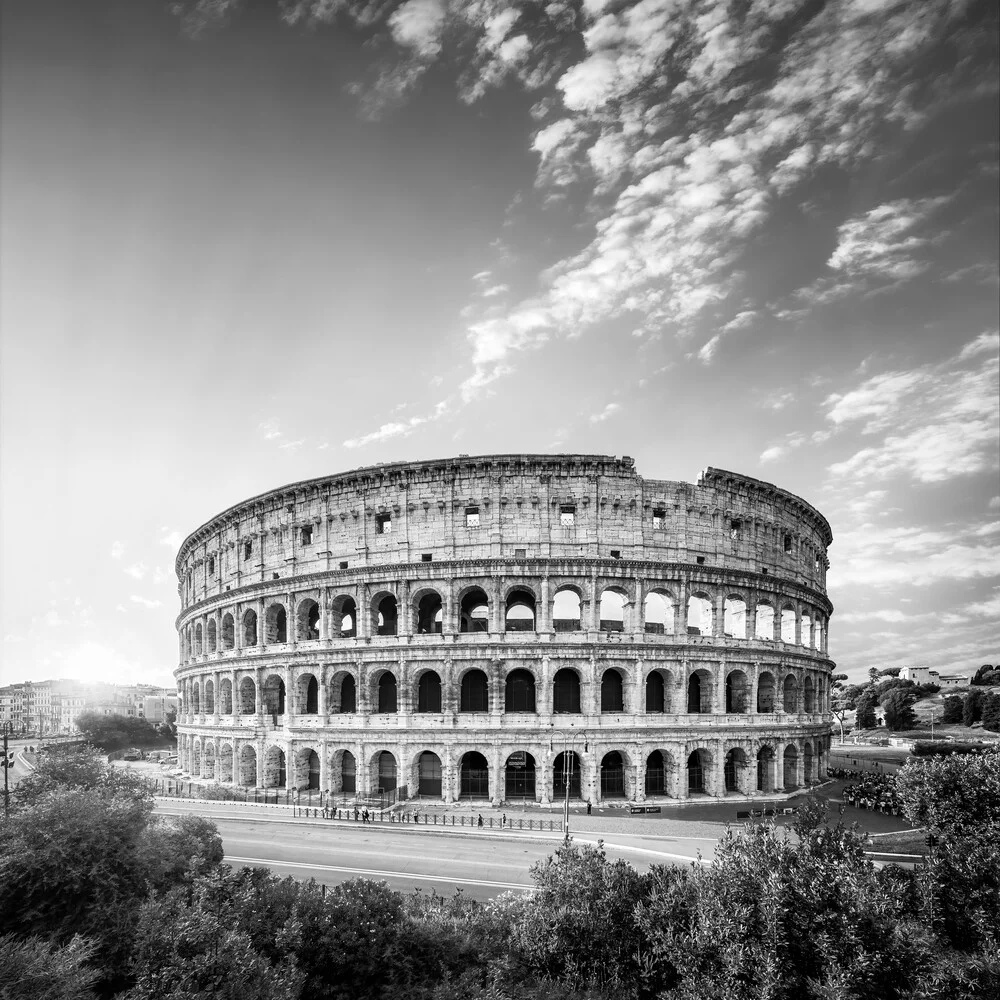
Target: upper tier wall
[560, 507]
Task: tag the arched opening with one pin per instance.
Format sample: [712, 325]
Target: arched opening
[195, 698]
[566, 692]
[474, 778]
[195, 760]
[348, 694]
[788, 624]
[308, 700]
[656, 693]
[226, 696]
[519, 611]
[228, 631]
[429, 614]
[566, 770]
[198, 640]
[807, 764]
[698, 768]
[612, 776]
[699, 615]
[656, 774]
[735, 770]
[248, 766]
[208, 762]
[274, 768]
[808, 695]
[274, 695]
[429, 694]
[348, 772]
[519, 776]
[737, 692]
[226, 762]
[734, 618]
[519, 692]
[765, 692]
[764, 621]
[475, 696]
[699, 693]
[387, 693]
[475, 611]
[209, 697]
[612, 692]
[819, 629]
[429, 774]
[343, 617]
[791, 767]
[386, 765]
[765, 770]
[790, 694]
[213, 636]
[386, 615]
[805, 630]
[250, 628]
[275, 625]
[248, 696]
[307, 624]
[658, 613]
[307, 769]
[566, 611]
[612, 611]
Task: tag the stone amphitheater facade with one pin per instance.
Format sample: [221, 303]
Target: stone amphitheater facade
[508, 627]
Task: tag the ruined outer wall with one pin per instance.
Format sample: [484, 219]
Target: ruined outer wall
[727, 538]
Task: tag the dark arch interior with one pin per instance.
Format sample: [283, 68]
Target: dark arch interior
[387, 693]
[474, 776]
[612, 692]
[565, 691]
[429, 692]
[475, 611]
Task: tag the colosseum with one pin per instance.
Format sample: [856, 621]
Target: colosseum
[508, 628]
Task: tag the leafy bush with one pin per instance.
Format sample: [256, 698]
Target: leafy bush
[972, 710]
[952, 710]
[991, 712]
[934, 748]
[898, 707]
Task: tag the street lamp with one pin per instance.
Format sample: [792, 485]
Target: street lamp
[568, 758]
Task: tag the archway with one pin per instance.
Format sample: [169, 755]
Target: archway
[656, 693]
[208, 762]
[656, 774]
[612, 776]
[765, 692]
[274, 695]
[612, 611]
[765, 770]
[386, 765]
[275, 625]
[519, 611]
[612, 692]
[519, 692]
[429, 613]
[228, 631]
[566, 611]
[226, 762]
[764, 621]
[250, 628]
[519, 776]
[658, 613]
[213, 636]
[386, 614]
[248, 766]
[699, 615]
[475, 611]
[566, 769]
[698, 770]
[807, 764]
[387, 693]
[735, 770]
[274, 768]
[566, 692]
[699, 699]
[790, 775]
[474, 778]
[209, 697]
[734, 618]
[226, 696]
[308, 695]
[429, 774]
[475, 694]
[790, 694]
[348, 694]
[348, 773]
[307, 769]
[737, 692]
[429, 693]
[307, 625]
[343, 617]
[808, 698]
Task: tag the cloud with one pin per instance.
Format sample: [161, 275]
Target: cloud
[933, 422]
[117, 550]
[417, 25]
[776, 451]
[292, 445]
[172, 539]
[396, 428]
[609, 411]
[777, 401]
[137, 570]
[145, 601]
[270, 430]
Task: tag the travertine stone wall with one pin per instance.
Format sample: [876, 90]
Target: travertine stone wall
[368, 578]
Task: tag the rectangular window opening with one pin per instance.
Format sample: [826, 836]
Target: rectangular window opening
[427, 557]
[211, 567]
[567, 515]
[274, 576]
[734, 527]
[247, 550]
[659, 518]
[343, 565]
[701, 560]
[788, 544]
[307, 535]
[472, 517]
[520, 553]
[763, 570]
[383, 524]
[616, 553]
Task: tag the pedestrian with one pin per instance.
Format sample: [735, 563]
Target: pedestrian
[364, 816]
[355, 814]
[416, 816]
[480, 819]
[503, 821]
[589, 807]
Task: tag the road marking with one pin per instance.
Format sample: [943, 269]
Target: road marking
[373, 873]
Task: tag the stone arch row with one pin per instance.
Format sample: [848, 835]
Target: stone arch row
[511, 688]
[517, 607]
[535, 772]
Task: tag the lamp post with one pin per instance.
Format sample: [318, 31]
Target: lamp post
[568, 755]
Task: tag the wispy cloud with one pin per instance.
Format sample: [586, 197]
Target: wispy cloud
[171, 538]
[137, 570]
[269, 430]
[145, 601]
[609, 411]
[117, 549]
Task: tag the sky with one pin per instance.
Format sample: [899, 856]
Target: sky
[248, 243]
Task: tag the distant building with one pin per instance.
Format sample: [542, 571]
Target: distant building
[924, 675]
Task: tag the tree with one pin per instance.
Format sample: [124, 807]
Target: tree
[951, 709]
[33, 969]
[111, 731]
[168, 727]
[991, 712]
[890, 671]
[981, 672]
[865, 714]
[972, 710]
[899, 713]
[873, 674]
[840, 700]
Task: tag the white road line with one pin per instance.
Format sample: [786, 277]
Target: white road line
[373, 873]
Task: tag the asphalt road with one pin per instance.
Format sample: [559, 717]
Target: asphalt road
[481, 864]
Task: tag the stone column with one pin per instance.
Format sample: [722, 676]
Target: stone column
[543, 689]
[638, 706]
[321, 680]
[496, 778]
[779, 768]
[681, 756]
[543, 779]
[543, 611]
[448, 777]
[720, 688]
[259, 695]
[639, 767]
[260, 763]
